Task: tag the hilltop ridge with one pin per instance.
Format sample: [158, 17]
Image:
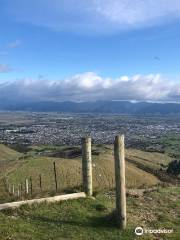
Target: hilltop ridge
[119, 107]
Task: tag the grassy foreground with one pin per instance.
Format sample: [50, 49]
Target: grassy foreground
[93, 219]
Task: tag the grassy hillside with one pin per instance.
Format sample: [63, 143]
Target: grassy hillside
[9, 161]
[171, 145]
[86, 218]
[94, 219]
[7, 153]
[69, 171]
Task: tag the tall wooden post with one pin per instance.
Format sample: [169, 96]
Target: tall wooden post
[119, 155]
[55, 175]
[27, 186]
[40, 182]
[87, 165]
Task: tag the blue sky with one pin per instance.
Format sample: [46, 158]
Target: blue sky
[53, 41]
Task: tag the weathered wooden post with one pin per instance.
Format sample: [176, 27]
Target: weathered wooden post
[26, 186]
[18, 192]
[13, 190]
[40, 182]
[21, 188]
[55, 175]
[87, 165]
[119, 155]
[31, 186]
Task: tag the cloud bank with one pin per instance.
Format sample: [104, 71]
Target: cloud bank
[90, 87]
[94, 15]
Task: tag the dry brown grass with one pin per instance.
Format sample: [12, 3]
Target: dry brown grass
[69, 171]
[8, 153]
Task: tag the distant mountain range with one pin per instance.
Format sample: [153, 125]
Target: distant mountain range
[119, 107]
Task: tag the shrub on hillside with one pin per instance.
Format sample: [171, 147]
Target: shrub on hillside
[174, 167]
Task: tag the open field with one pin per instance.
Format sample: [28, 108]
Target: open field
[94, 219]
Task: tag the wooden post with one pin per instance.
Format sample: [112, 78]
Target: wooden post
[40, 182]
[21, 188]
[55, 175]
[119, 155]
[9, 189]
[27, 186]
[87, 165]
[31, 186]
[18, 192]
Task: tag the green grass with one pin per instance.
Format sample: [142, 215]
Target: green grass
[7, 153]
[93, 219]
[171, 145]
[9, 162]
[152, 160]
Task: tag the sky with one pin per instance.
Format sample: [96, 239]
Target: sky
[90, 49]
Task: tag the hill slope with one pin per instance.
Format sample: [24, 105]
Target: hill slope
[7, 153]
[140, 167]
[9, 161]
[88, 218]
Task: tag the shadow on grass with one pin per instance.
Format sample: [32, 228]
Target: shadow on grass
[93, 222]
[107, 221]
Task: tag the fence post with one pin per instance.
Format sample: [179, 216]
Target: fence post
[119, 155]
[13, 190]
[31, 186]
[21, 188]
[55, 175]
[87, 165]
[27, 186]
[40, 182]
[18, 192]
[9, 189]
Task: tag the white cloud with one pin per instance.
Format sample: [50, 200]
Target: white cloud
[90, 86]
[137, 11]
[94, 15]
